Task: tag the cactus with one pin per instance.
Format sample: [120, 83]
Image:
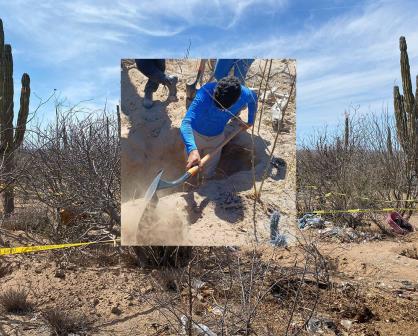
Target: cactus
[406, 110]
[346, 130]
[389, 142]
[11, 138]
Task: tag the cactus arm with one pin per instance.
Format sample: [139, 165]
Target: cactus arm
[8, 114]
[1, 75]
[406, 76]
[23, 111]
[400, 117]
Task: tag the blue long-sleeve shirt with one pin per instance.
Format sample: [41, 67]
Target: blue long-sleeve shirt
[206, 118]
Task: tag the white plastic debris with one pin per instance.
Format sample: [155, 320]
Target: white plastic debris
[276, 111]
[197, 283]
[199, 328]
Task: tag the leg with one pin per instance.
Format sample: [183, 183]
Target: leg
[223, 67]
[242, 139]
[241, 68]
[206, 145]
[154, 70]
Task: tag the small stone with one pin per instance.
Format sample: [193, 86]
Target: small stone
[116, 311]
[96, 302]
[71, 267]
[346, 324]
[38, 271]
[147, 289]
[59, 273]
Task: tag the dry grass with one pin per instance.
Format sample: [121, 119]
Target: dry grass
[64, 323]
[370, 171]
[5, 268]
[15, 300]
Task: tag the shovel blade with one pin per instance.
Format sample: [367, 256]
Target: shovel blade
[150, 195]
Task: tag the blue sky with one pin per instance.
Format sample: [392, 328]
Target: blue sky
[346, 51]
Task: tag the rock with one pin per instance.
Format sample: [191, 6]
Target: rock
[217, 310]
[116, 310]
[96, 302]
[147, 289]
[71, 267]
[347, 324]
[38, 271]
[59, 273]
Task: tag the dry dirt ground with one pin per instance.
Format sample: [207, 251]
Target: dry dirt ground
[374, 285]
[220, 211]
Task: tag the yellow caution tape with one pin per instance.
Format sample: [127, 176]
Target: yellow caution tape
[367, 198]
[324, 212]
[28, 249]
[329, 194]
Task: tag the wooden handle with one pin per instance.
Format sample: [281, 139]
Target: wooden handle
[193, 171]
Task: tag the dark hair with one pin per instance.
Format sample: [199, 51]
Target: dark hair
[227, 92]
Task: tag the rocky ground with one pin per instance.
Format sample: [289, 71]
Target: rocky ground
[372, 290]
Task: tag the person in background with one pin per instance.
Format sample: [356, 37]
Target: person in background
[240, 66]
[203, 126]
[154, 69]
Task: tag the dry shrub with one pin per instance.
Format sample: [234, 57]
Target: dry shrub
[63, 323]
[368, 170]
[162, 256]
[15, 300]
[5, 268]
[31, 219]
[235, 293]
[73, 165]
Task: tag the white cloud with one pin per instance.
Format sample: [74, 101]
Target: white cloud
[349, 58]
[64, 30]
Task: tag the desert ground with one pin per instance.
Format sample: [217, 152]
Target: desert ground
[220, 211]
[371, 290]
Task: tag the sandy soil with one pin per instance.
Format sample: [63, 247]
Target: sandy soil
[220, 211]
[374, 285]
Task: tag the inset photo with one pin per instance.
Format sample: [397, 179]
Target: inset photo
[208, 151]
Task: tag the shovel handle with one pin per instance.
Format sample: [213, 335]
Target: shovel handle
[193, 170]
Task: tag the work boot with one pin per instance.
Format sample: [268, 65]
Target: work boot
[172, 86]
[148, 100]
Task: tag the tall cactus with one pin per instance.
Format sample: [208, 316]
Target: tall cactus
[346, 130]
[11, 138]
[406, 110]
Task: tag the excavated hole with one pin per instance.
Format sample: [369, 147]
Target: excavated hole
[234, 159]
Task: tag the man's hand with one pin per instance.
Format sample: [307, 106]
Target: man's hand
[193, 159]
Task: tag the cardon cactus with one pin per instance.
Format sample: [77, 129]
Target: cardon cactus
[406, 110]
[11, 137]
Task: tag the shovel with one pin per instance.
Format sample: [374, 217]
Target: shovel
[151, 199]
[191, 87]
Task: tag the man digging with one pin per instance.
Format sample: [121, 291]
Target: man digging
[203, 127]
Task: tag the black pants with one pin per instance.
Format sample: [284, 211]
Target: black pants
[154, 69]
